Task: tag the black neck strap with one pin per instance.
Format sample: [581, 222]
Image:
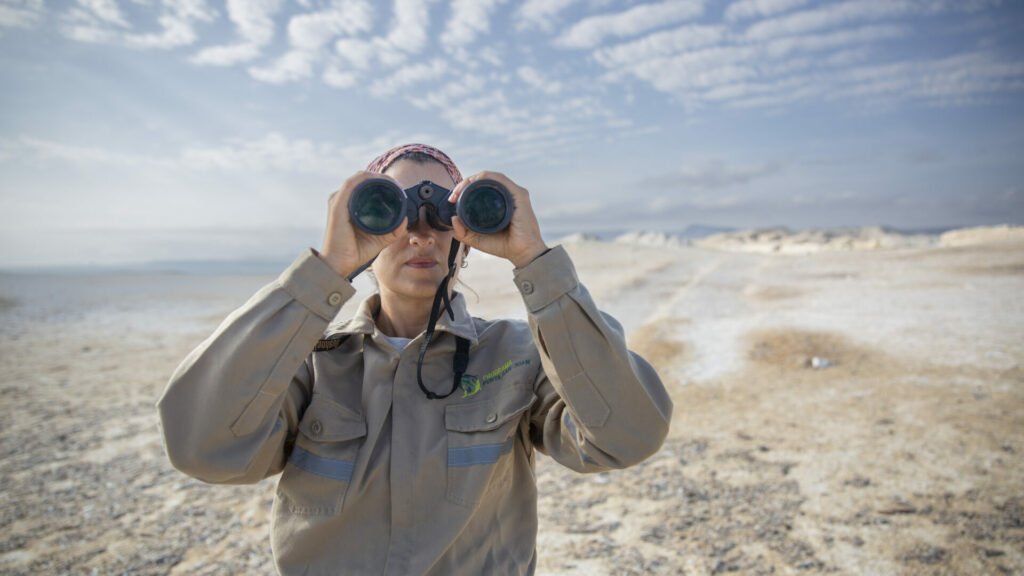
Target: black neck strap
[443, 302]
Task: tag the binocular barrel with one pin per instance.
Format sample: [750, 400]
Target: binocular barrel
[378, 205]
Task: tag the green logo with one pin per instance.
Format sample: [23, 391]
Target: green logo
[472, 384]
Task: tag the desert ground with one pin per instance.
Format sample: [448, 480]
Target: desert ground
[851, 410]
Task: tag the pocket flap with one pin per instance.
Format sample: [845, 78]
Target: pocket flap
[487, 415]
[327, 421]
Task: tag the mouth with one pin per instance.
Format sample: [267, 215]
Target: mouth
[421, 263]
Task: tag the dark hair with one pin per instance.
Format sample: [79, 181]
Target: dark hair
[417, 157]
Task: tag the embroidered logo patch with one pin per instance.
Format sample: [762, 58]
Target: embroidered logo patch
[472, 384]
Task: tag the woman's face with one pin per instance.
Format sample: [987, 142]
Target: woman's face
[415, 264]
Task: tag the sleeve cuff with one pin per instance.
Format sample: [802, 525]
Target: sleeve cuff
[316, 285]
[546, 279]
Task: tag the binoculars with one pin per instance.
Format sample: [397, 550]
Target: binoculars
[378, 206]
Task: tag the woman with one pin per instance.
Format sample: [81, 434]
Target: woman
[383, 472]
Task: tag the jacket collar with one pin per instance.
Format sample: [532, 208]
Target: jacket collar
[362, 322]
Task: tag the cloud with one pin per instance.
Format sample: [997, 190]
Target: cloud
[313, 30]
[106, 11]
[21, 13]
[751, 8]
[688, 73]
[592, 31]
[411, 26]
[177, 20]
[226, 55]
[31, 149]
[292, 66]
[540, 13]
[767, 54]
[356, 52]
[543, 131]
[101, 21]
[469, 19]
[783, 47]
[490, 113]
[851, 11]
[427, 74]
[712, 175]
[660, 44]
[408, 35]
[450, 93]
[338, 78]
[942, 81]
[253, 19]
[95, 22]
[954, 81]
[308, 34]
[274, 152]
[779, 67]
[827, 17]
[535, 79]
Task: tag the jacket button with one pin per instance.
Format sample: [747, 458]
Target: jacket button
[492, 418]
[316, 428]
[334, 299]
[527, 287]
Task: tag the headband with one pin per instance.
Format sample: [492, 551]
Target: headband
[382, 162]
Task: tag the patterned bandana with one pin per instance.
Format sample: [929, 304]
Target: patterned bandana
[381, 163]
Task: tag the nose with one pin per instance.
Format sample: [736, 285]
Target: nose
[420, 232]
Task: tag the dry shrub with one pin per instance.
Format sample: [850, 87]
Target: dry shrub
[7, 303]
[998, 269]
[756, 292]
[794, 350]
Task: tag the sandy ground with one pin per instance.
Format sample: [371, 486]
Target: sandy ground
[901, 456]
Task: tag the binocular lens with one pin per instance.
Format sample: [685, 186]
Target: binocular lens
[485, 208]
[377, 208]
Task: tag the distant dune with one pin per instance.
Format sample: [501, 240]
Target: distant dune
[785, 241]
[981, 235]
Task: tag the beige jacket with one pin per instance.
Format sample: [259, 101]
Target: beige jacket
[376, 478]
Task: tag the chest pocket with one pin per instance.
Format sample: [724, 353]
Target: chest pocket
[323, 460]
[481, 437]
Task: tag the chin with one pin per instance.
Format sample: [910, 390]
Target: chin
[419, 288]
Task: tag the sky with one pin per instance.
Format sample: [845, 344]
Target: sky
[150, 130]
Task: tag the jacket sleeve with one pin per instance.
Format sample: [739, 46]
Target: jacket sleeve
[233, 404]
[600, 406]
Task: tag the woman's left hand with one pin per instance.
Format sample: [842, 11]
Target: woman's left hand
[521, 242]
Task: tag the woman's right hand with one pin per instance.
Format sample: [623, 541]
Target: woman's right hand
[346, 247]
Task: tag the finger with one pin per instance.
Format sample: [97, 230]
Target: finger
[518, 193]
[492, 175]
[461, 232]
[457, 191]
[520, 200]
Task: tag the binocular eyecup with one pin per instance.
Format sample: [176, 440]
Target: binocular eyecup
[378, 205]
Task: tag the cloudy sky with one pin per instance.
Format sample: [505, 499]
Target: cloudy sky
[134, 130]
